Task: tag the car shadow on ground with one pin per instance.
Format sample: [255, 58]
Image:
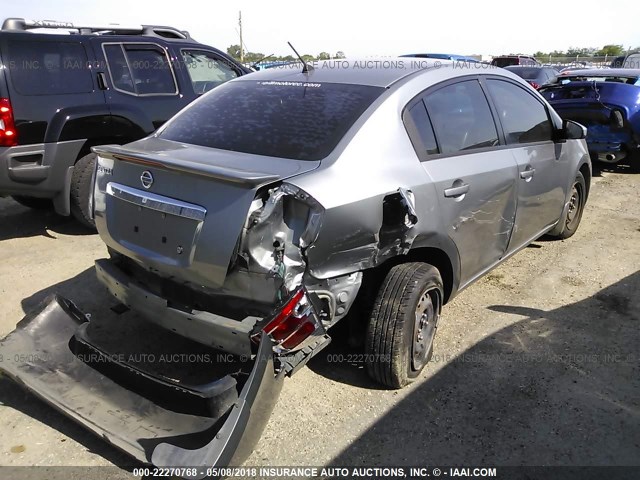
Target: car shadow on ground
[18, 221]
[559, 387]
[623, 167]
[84, 290]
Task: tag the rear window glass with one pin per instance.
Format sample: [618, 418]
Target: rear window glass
[297, 120]
[632, 80]
[528, 73]
[140, 69]
[505, 61]
[48, 68]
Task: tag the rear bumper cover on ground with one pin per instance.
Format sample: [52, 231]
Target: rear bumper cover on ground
[144, 415]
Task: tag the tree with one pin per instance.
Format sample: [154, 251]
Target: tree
[611, 50]
[583, 52]
[324, 56]
[234, 51]
[340, 54]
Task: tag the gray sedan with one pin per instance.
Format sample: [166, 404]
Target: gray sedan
[362, 183]
[274, 207]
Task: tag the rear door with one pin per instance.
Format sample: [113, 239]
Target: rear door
[454, 132]
[50, 84]
[542, 170]
[141, 82]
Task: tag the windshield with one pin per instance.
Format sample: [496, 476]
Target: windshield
[297, 120]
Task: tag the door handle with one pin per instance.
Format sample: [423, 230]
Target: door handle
[102, 81]
[456, 191]
[528, 173]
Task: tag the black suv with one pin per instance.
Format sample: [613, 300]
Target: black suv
[61, 94]
[507, 60]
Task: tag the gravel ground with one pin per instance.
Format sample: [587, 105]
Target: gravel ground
[535, 364]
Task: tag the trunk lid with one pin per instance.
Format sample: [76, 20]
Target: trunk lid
[179, 209]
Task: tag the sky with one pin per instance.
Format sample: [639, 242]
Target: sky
[365, 29]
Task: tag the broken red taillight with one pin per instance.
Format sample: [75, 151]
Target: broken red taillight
[8, 134]
[294, 323]
[534, 84]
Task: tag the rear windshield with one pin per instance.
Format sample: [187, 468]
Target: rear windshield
[526, 73]
[632, 80]
[297, 120]
[505, 61]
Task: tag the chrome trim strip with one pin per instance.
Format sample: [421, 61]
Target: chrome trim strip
[156, 202]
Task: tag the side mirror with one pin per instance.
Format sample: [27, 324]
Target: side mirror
[573, 130]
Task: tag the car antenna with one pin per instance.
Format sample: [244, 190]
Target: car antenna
[307, 68]
[254, 65]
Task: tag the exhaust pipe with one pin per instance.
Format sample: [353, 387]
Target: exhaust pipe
[611, 157]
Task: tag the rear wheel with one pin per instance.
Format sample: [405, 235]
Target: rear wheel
[33, 202]
[568, 225]
[403, 323]
[81, 187]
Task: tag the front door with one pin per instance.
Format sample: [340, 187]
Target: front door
[542, 170]
[474, 180]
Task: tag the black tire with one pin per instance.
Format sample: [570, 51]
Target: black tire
[33, 202]
[81, 187]
[634, 161]
[395, 355]
[568, 225]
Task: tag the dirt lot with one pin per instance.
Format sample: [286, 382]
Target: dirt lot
[536, 364]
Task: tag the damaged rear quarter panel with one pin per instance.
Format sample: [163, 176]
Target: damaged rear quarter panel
[378, 166]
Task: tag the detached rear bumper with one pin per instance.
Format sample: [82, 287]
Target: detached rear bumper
[155, 418]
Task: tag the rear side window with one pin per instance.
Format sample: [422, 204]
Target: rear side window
[48, 68]
[524, 119]
[504, 61]
[140, 69]
[297, 120]
[420, 130]
[461, 117]
[206, 70]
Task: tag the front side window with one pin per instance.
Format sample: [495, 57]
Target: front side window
[461, 117]
[524, 119]
[48, 68]
[296, 120]
[140, 69]
[206, 70]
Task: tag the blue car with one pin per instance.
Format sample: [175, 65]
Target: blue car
[607, 102]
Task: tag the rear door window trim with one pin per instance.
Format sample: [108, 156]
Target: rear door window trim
[126, 58]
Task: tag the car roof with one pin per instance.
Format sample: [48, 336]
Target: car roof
[606, 72]
[528, 67]
[375, 72]
[440, 56]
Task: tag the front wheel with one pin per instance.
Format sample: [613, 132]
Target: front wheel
[403, 323]
[568, 224]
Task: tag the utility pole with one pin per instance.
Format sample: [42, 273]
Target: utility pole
[241, 44]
